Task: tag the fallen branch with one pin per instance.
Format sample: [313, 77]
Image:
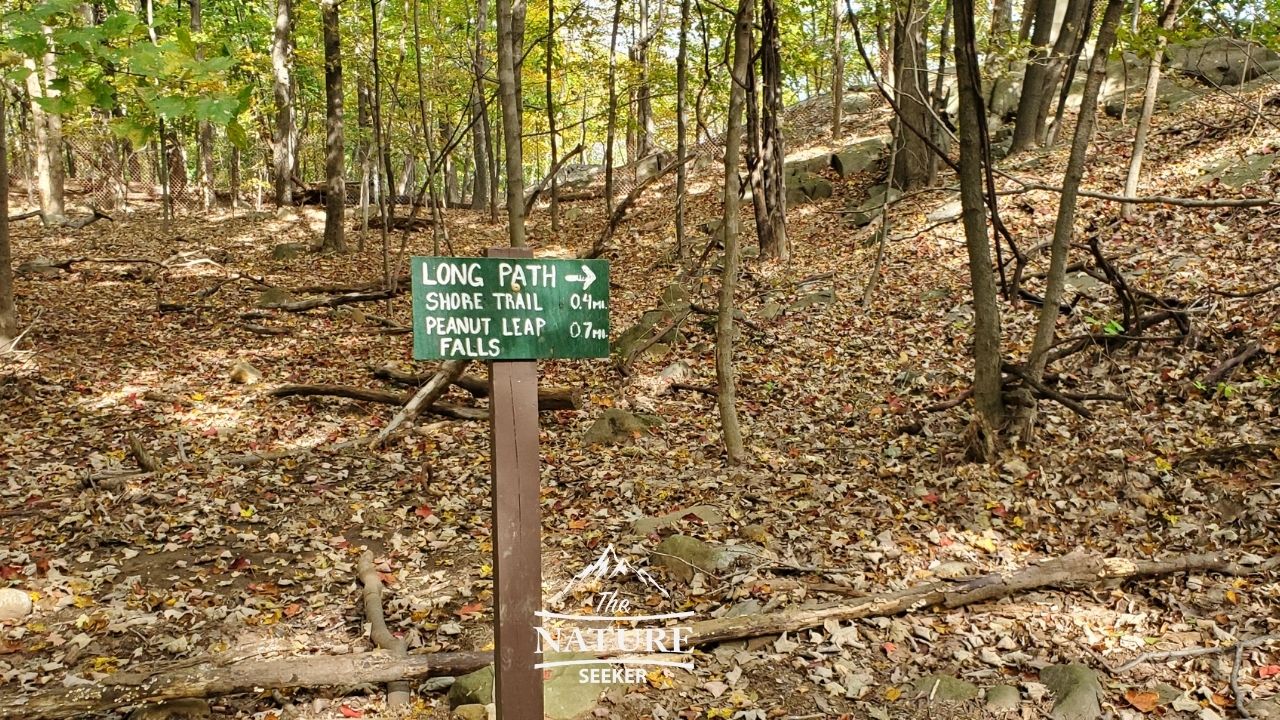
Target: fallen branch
[1228, 366]
[141, 455]
[449, 371]
[371, 597]
[549, 398]
[620, 211]
[332, 301]
[345, 391]
[1180, 653]
[532, 200]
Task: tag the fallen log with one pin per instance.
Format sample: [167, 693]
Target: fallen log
[345, 391]
[333, 301]
[220, 677]
[212, 678]
[549, 398]
[1225, 368]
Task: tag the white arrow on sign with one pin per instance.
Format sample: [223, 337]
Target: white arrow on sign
[586, 278]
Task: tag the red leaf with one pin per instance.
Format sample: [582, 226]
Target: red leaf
[474, 608]
[888, 648]
[349, 712]
[929, 498]
[1000, 510]
[240, 564]
[424, 511]
[1268, 671]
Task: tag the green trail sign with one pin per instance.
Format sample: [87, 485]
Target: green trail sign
[509, 308]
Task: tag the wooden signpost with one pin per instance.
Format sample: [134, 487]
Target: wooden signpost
[511, 309]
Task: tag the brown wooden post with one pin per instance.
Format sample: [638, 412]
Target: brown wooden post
[517, 531]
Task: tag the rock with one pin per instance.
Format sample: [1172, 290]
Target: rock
[619, 427]
[471, 711]
[473, 688]
[823, 297]
[684, 556]
[946, 211]
[244, 373]
[804, 187]
[771, 310]
[1235, 172]
[859, 156]
[189, 709]
[1003, 699]
[675, 298]
[15, 604]
[274, 297]
[811, 160]
[944, 688]
[678, 371]
[708, 514]
[868, 210]
[288, 251]
[39, 267]
[564, 696]
[756, 533]
[1076, 691]
[1268, 709]
[1220, 61]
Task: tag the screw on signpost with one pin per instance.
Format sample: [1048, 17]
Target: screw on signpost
[517, 531]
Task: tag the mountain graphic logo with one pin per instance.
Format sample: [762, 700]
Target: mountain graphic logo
[607, 567]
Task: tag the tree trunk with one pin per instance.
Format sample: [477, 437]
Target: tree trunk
[735, 453]
[509, 53]
[8, 311]
[364, 155]
[439, 233]
[479, 125]
[1034, 79]
[235, 178]
[335, 203]
[682, 130]
[283, 137]
[204, 129]
[380, 154]
[771, 126]
[48, 135]
[551, 114]
[1001, 22]
[837, 70]
[1069, 31]
[911, 94]
[1167, 19]
[940, 137]
[755, 151]
[1064, 226]
[611, 125]
[973, 152]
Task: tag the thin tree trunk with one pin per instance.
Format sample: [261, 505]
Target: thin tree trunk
[551, 114]
[735, 452]
[682, 131]
[1034, 78]
[480, 191]
[48, 136]
[939, 102]
[335, 203]
[8, 311]
[364, 156]
[438, 232]
[235, 178]
[837, 71]
[911, 91]
[755, 151]
[510, 31]
[973, 152]
[1082, 38]
[611, 126]
[283, 138]
[1072, 22]
[771, 127]
[1064, 227]
[380, 152]
[1167, 19]
[204, 129]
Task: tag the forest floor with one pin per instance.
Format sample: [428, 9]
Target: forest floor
[852, 482]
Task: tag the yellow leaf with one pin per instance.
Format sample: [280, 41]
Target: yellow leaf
[986, 544]
[892, 694]
[1232, 597]
[82, 602]
[197, 397]
[1163, 465]
[246, 512]
[486, 570]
